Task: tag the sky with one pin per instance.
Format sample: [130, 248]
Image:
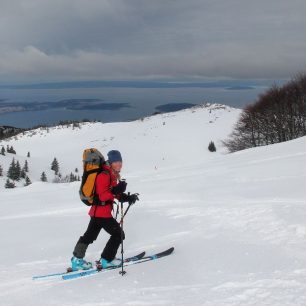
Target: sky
[72, 40]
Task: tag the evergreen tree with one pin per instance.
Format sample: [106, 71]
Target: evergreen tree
[212, 147]
[9, 184]
[28, 155]
[17, 171]
[1, 171]
[55, 165]
[26, 166]
[11, 150]
[43, 177]
[76, 170]
[56, 179]
[72, 178]
[23, 174]
[2, 151]
[27, 181]
[11, 170]
[14, 170]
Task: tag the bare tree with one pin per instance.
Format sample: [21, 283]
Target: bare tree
[277, 115]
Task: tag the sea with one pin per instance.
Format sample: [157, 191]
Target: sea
[141, 102]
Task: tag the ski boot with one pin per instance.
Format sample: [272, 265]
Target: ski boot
[105, 264]
[79, 264]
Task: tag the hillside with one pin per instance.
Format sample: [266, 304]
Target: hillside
[237, 221]
[158, 141]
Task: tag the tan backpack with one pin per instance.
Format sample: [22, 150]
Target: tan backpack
[93, 162]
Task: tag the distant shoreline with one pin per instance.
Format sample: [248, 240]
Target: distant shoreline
[25, 108]
[82, 104]
[163, 108]
[241, 84]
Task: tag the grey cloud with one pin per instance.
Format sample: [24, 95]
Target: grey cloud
[115, 39]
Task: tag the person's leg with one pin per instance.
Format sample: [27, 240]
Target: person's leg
[89, 237]
[112, 227]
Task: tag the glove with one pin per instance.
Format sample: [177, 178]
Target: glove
[131, 198]
[124, 197]
[119, 188]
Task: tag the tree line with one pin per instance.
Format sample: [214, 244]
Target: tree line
[278, 115]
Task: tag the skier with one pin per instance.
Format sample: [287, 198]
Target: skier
[108, 187]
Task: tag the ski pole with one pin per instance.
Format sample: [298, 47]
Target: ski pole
[127, 210]
[117, 210]
[127, 207]
[122, 272]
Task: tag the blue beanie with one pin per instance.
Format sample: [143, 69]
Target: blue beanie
[114, 156]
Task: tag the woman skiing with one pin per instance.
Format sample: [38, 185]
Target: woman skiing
[108, 187]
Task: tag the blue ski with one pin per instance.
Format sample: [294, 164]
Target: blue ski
[131, 262]
[126, 260]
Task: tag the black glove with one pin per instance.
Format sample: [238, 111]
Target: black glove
[124, 197]
[131, 198]
[119, 188]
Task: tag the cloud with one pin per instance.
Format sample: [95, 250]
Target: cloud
[125, 39]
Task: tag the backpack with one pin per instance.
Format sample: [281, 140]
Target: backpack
[93, 162]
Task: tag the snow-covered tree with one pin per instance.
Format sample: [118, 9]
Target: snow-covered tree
[212, 147]
[11, 169]
[26, 166]
[17, 171]
[27, 181]
[10, 150]
[1, 171]
[43, 177]
[11, 173]
[56, 179]
[71, 179]
[65, 179]
[23, 174]
[2, 152]
[55, 165]
[9, 184]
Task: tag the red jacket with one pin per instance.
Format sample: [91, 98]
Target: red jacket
[103, 184]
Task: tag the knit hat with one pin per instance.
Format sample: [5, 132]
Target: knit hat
[114, 156]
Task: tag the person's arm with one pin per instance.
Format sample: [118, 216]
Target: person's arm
[103, 187]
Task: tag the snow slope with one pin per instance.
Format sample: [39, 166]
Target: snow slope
[160, 140]
[237, 221]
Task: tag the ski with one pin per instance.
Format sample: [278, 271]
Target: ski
[126, 260]
[129, 263]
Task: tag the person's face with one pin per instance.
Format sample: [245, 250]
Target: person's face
[116, 166]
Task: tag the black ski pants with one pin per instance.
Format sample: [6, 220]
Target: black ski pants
[112, 227]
